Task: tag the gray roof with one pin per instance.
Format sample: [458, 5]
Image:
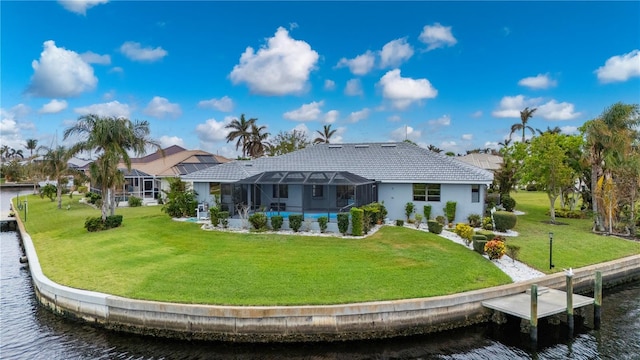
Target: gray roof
[385, 162]
[485, 161]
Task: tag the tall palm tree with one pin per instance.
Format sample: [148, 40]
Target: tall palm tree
[257, 143]
[525, 115]
[241, 132]
[31, 145]
[554, 130]
[434, 148]
[113, 138]
[55, 164]
[325, 135]
[4, 151]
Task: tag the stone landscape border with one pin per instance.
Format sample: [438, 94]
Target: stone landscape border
[367, 320]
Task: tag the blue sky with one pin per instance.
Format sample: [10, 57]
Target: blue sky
[452, 74]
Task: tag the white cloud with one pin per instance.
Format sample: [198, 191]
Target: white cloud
[279, 68]
[160, 107]
[134, 51]
[540, 81]
[491, 144]
[117, 70]
[53, 106]
[449, 145]
[510, 107]
[338, 136]
[92, 58]
[331, 116]
[80, 6]
[109, 95]
[467, 137]
[569, 129]
[60, 73]
[302, 128]
[19, 111]
[360, 65]
[444, 120]
[395, 52]
[353, 88]
[405, 132]
[437, 36]
[212, 130]
[359, 115]
[306, 112]
[166, 141]
[394, 118]
[552, 110]
[402, 92]
[477, 114]
[329, 84]
[620, 67]
[113, 108]
[224, 104]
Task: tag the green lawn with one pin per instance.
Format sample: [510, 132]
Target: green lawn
[152, 257]
[573, 244]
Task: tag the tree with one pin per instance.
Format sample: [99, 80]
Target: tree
[286, 142]
[55, 164]
[547, 166]
[555, 130]
[241, 132]
[113, 138]
[506, 177]
[31, 145]
[434, 148]
[257, 141]
[525, 115]
[325, 135]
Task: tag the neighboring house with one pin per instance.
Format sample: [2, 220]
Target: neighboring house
[148, 174]
[484, 161]
[330, 178]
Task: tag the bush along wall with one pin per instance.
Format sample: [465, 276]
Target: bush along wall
[504, 220]
[322, 223]
[450, 211]
[479, 241]
[276, 222]
[295, 222]
[435, 227]
[426, 211]
[357, 218]
[343, 223]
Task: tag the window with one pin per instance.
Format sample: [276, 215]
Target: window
[280, 191]
[317, 191]
[426, 192]
[215, 188]
[475, 193]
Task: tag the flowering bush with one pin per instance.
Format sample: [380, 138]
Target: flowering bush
[495, 249]
[464, 231]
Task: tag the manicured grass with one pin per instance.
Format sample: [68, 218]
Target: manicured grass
[574, 245]
[152, 257]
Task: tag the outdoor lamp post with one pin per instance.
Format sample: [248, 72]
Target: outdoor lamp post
[551, 266]
[25, 210]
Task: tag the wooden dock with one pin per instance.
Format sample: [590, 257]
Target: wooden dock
[550, 302]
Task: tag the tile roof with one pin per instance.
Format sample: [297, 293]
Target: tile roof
[485, 161]
[176, 161]
[384, 162]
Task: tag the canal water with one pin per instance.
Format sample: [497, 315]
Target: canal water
[28, 331]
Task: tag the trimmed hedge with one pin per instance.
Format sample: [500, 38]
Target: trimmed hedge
[322, 223]
[93, 224]
[214, 215]
[343, 223]
[505, 220]
[435, 227]
[426, 211]
[479, 241]
[357, 219]
[295, 222]
[258, 220]
[276, 222]
[399, 222]
[450, 211]
[223, 216]
[508, 203]
[489, 235]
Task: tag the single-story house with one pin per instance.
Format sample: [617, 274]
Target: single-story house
[332, 178]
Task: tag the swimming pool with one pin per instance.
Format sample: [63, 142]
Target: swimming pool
[315, 216]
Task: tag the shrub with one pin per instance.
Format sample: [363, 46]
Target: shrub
[532, 187]
[93, 197]
[376, 212]
[513, 251]
[224, 218]
[258, 221]
[408, 209]
[475, 221]
[399, 222]
[508, 203]
[568, 214]
[450, 211]
[214, 215]
[322, 223]
[366, 221]
[440, 219]
[82, 189]
[181, 200]
[356, 221]
[504, 220]
[134, 201]
[113, 221]
[343, 223]
[49, 191]
[418, 221]
[426, 211]
[479, 242]
[465, 232]
[295, 222]
[93, 224]
[495, 249]
[435, 227]
[276, 222]
[487, 223]
[489, 235]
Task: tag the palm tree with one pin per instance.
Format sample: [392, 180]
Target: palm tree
[31, 145]
[325, 135]
[555, 130]
[240, 131]
[55, 164]
[4, 151]
[257, 143]
[525, 115]
[113, 138]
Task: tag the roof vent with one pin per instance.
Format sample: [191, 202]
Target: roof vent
[248, 164]
[335, 146]
[388, 145]
[361, 146]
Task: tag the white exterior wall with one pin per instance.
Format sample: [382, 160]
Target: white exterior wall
[396, 196]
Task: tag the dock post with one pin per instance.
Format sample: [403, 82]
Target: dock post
[569, 278]
[533, 331]
[597, 304]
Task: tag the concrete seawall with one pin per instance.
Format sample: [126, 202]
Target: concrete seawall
[368, 320]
